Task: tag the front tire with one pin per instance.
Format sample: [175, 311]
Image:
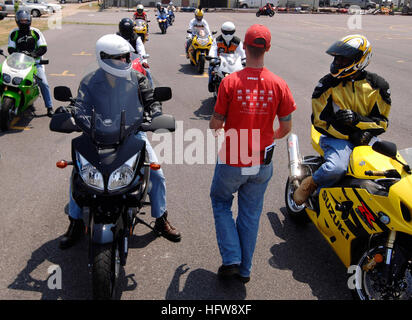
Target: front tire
[201, 64]
[258, 14]
[5, 118]
[370, 285]
[297, 213]
[105, 272]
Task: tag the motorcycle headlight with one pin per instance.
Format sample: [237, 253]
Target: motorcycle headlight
[123, 176]
[17, 80]
[203, 42]
[90, 175]
[6, 78]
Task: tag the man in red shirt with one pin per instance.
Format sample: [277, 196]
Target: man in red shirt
[246, 107]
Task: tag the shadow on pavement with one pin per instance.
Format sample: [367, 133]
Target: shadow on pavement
[202, 284]
[73, 262]
[205, 110]
[309, 257]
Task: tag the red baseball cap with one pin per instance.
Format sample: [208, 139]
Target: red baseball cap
[258, 36]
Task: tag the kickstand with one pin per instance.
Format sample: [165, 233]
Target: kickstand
[137, 220]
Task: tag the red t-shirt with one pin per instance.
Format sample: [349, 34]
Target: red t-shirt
[250, 100]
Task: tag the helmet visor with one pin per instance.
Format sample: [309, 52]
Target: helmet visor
[225, 32]
[118, 61]
[341, 48]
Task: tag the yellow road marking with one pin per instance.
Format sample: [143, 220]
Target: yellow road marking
[14, 121]
[83, 53]
[204, 75]
[63, 74]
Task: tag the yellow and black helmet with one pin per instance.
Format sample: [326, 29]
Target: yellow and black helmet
[351, 54]
[199, 14]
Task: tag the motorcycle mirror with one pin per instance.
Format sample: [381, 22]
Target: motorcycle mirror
[386, 148]
[44, 62]
[164, 121]
[189, 31]
[146, 56]
[63, 122]
[62, 93]
[162, 93]
[214, 32]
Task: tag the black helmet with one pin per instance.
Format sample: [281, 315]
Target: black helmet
[23, 19]
[126, 26]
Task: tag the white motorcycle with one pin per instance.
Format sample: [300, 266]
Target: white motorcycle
[224, 65]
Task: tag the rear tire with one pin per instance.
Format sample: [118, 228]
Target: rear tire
[105, 273]
[5, 119]
[297, 213]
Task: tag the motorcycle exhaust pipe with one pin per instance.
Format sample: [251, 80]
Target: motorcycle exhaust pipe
[294, 158]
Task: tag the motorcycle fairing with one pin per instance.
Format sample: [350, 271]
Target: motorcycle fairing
[108, 160]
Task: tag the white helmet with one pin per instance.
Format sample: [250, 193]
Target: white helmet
[228, 30]
[109, 50]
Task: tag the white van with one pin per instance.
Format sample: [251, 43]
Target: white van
[256, 3]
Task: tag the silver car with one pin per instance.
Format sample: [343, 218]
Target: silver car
[35, 9]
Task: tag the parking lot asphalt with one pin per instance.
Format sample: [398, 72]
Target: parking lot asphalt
[290, 262]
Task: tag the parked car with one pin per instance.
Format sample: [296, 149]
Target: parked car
[3, 12]
[35, 9]
[363, 4]
[54, 6]
[256, 3]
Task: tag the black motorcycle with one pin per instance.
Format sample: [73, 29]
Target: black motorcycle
[265, 11]
[110, 179]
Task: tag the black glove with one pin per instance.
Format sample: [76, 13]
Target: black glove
[347, 117]
[361, 138]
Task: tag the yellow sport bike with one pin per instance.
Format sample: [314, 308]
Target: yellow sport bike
[199, 49]
[366, 217]
[141, 29]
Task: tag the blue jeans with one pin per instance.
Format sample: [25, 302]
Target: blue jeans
[157, 193]
[237, 240]
[44, 86]
[337, 154]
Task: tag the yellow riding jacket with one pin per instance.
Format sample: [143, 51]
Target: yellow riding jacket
[368, 96]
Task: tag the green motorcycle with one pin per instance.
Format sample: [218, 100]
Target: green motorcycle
[18, 86]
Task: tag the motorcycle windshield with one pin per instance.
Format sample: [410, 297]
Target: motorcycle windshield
[108, 108]
[19, 61]
[230, 62]
[140, 24]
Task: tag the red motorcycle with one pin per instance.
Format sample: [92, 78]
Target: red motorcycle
[267, 10]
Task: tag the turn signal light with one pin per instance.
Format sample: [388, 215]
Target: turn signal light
[155, 166]
[61, 164]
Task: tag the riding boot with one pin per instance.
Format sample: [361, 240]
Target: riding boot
[73, 234]
[163, 227]
[306, 188]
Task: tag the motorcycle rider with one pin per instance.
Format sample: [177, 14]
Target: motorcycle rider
[160, 9]
[171, 7]
[268, 8]
[29, 39]
[126, 31]
[139, 13]
[113, 57]
[349, 107]
[194, 25]
[227, 42]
